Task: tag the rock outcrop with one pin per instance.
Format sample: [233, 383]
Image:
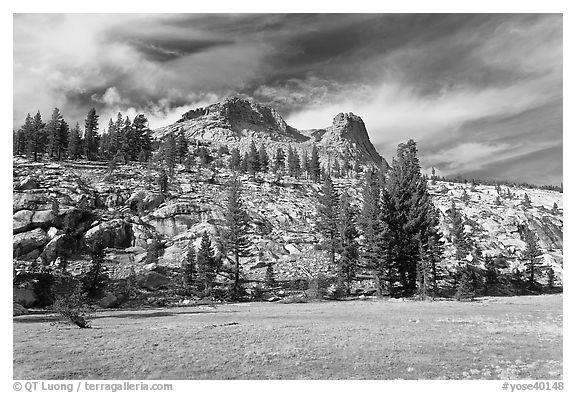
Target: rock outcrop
[237, 122]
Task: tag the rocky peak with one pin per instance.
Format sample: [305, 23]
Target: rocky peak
[350, 127]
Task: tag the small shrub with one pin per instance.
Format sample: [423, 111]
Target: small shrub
[74, 308]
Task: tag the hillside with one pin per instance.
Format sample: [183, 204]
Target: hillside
[127, 212]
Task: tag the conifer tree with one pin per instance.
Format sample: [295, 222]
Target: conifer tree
[407, 214]
[293, 163]
[23, 134]
[491, 272]
[348, 246]
[53, 133]
[75, 148]
[125, 139]
[531, 254]
[206, 265]
[169, 152]
[252, 159]
[141, 140]
[305, 163]
[458, 236]
[234, 159]
[315, 173]
[336, 171]
[465, 284]
[190, 270]
[91, 135]
[270, 276]
[555, 208]
[279, 161]
[37, 137]
[237, 229]
[263, 159]
[182, 146]
[327, 224]
[526, 202]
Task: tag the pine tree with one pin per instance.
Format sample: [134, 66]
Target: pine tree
[491, 272]
[314, 171]
[234, 159]
[374, 230]
[23, 134]
[237, 229]
[526, 202]
[305, 163]
[336, 171]
[270, 276]
[252, 159]
[190, 270]
[169, 152]
[206, 265]
[348, 246]
[141, 139]
[75, 147]
[327, 223]
[466, 278]
[182, 147]
[125, 139]
[37, 137]
[279, 161]
[53, 133]
[408, 215]
[263, 159]
[555, 208]
[531, 254]
[458, 236]
[91, 135]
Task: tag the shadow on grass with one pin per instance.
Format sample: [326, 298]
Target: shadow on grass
[130, 315]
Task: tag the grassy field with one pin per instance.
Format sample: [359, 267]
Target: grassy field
[493, 338]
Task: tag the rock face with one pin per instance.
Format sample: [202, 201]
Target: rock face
[24, 243]
[237, 122]
[114, 233]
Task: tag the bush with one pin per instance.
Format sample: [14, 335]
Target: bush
[74, 308]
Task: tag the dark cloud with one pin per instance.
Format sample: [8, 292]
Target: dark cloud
[473, 89]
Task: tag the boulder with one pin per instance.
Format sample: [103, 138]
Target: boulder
[59, 246]
[114, 233]
[28, 183]
[29, 201]
[23, 243]
[153, 280]
[25, 220]
[145, 200]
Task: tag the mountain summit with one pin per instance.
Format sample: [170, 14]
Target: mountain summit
[238, 122]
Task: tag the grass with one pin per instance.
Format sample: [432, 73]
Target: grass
[493, 338]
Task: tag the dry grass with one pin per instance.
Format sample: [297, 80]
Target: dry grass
[495, 338]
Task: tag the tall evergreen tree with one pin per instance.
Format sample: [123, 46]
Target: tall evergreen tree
[91, 135]
[252, 159]
[305, 163]
[125, 138]
[293, 163]
[190, 270]
[263, 158]
[206, 264]
[348, 247]
[237, 229]
[279, 161]
[458, 236]
[169, 152]
[182, 147]
[407, 213]
[531, 254]
[63, 140]
[327, 224]
[314, 168]
[141, 146]
[53, 133]
[37, 138]
[234, 159]
[75, 147]
[23, 134]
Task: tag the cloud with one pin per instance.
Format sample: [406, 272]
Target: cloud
[454, 83]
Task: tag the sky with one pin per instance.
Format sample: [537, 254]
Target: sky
[481, 94]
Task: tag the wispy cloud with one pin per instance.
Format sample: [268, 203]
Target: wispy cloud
[469, 88]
